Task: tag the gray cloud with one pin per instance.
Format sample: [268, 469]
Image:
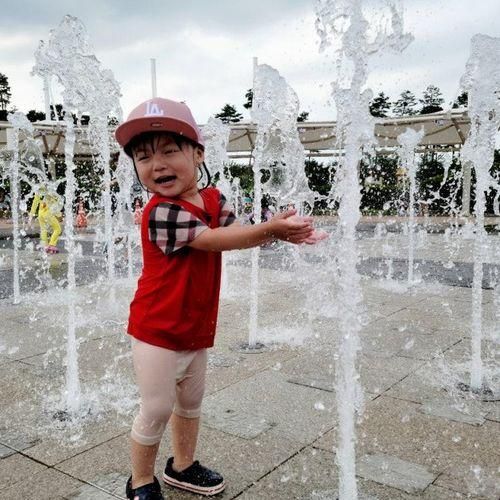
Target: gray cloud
[204, 49]
[139, 18]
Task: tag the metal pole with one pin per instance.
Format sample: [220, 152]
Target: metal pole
[46, 93]
[13, 146]
[466, 185]
[153, 77]
[254, 277]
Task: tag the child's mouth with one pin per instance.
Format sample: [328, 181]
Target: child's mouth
[165, 179]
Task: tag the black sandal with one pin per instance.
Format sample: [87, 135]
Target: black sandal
[151, 491]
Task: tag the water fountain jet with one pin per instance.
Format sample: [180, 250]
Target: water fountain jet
[482, 82]
[343, 23]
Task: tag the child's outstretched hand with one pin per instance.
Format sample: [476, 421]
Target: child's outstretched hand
[288, 226]
[316, 236]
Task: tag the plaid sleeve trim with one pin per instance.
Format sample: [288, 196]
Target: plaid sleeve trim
[226, 217]
[172, 227]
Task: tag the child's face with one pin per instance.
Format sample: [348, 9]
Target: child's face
[165, 168]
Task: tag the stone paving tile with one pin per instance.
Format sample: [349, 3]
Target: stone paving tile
[440, 493]
[320, 364]
[312, 475]
[94, 357]
[492, 411]
[26, 340]
[394, 472]
[33, 332]
[103, 487]
[45, 485]
[282, 407]
[405, 341]
[13, 442]
[16, 468]
[428, 322]
[443, 409]
[6, 451]
[391, 296]
[13, 390]
[379, 373]
[473, 480]
[245, 367]
[26, 420]
[387, 309]
[88, 492]
[429, 347]
[405, 321]
[109, 457]
[427, 246]
[437, 378]
[440, 445]
[418, 386]
[50, 451]
[241, 461]
[457, 359]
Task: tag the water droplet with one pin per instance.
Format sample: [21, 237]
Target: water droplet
[409, 344]
[319, 406]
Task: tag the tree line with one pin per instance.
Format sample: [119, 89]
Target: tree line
[381, 106]
[407, 103]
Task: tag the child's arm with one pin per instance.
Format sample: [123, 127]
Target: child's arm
[283, 226]
[34, 205]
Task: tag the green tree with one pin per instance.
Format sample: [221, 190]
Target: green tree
[441, 195]
[59, 110]
[4, 96]
[228, 114]
[405, 105]
[461, 100]
[303, 116]
[379, 183]
[432, 100]
[249, 98]
[380, 105]
[243, 172]
[35, 116]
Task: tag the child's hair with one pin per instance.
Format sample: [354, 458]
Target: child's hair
[150, 139]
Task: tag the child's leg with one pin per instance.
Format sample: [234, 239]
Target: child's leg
[184, 440]
[44, 240]
[56, 230]
[185, 421]
[143, 459]
[155, 370]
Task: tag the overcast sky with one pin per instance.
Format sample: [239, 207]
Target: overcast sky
[204, 49]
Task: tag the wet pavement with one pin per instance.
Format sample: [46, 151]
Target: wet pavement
[269, 417]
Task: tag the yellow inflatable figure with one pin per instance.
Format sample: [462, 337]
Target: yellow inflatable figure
[47, 206]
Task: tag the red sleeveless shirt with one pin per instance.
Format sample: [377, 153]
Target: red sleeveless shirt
[177, 298]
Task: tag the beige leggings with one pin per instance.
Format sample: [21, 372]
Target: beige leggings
[169, 381]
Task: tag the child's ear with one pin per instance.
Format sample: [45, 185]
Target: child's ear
[199, 155]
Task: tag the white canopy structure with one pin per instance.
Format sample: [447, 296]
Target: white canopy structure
[442, 132]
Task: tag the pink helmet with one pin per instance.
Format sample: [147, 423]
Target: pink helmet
[159, 115]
